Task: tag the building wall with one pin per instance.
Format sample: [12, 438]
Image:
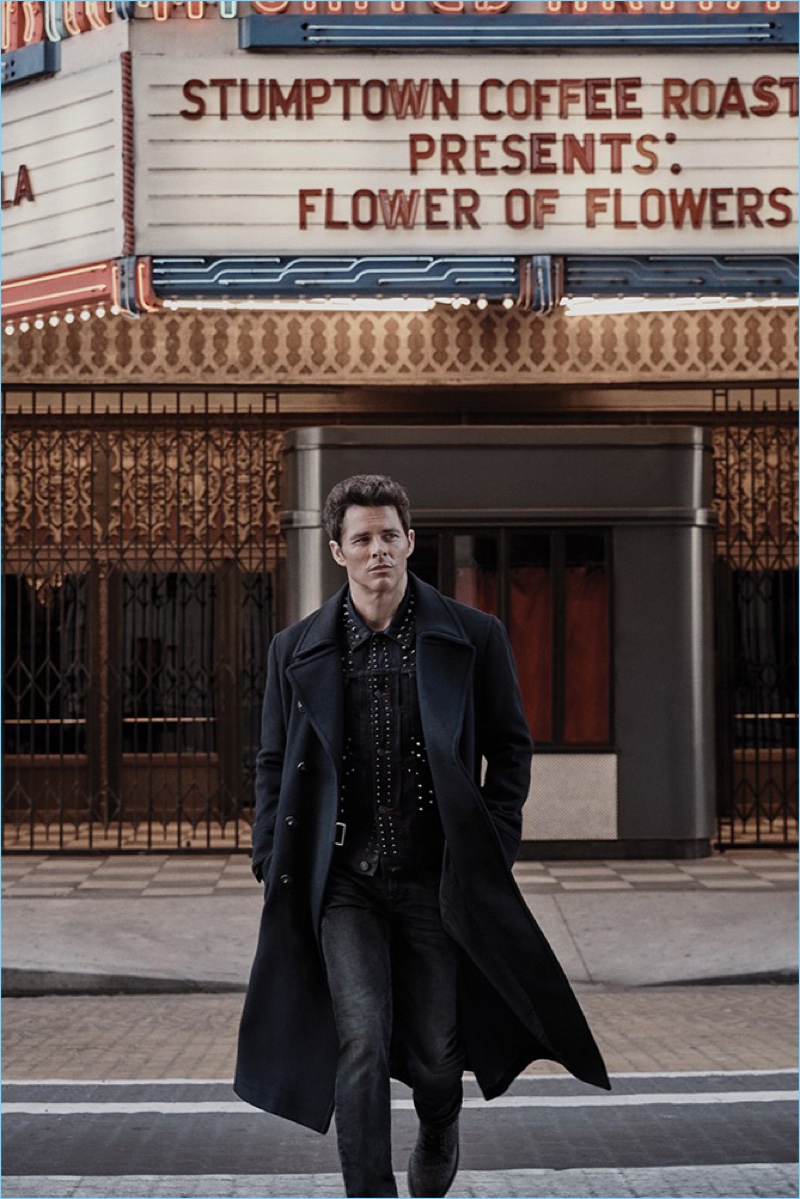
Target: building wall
[153, 446]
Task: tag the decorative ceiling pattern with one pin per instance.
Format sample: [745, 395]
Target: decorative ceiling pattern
[465, 347]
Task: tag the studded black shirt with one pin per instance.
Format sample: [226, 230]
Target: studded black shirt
[388, 818]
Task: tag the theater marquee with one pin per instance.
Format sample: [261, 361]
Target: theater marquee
[468, 153]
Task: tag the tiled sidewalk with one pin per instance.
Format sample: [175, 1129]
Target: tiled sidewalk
[39, 876]
[194, 1036]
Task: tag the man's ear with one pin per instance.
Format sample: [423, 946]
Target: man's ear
[410, 541]
[336, 550]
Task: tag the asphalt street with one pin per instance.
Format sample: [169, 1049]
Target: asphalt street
[136, 1116]
[196, 1131]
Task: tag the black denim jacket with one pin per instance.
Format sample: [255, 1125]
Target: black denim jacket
[388, 818]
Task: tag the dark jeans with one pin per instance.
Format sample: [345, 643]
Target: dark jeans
[390, 965]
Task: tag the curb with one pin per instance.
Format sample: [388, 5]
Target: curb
[785, 977]
[20, 983]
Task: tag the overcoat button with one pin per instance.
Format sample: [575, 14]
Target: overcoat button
[291, 821]
[286, 880]
[300, 706]
[363, 865]
[301, 766]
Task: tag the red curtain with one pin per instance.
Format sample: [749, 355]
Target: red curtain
[586, 657]
[477, 588]
[531, 630]
[586, 645]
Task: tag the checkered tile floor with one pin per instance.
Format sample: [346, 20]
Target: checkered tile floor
[194, 874]
[754, 870]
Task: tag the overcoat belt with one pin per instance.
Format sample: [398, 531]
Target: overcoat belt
[515, 1002]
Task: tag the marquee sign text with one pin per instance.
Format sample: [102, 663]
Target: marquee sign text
[603, 152]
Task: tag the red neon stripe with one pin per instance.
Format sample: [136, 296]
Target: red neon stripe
[58, 289]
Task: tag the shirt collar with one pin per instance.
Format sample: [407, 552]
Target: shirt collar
[401, 628]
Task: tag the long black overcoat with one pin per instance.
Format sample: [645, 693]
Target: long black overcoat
[515, 1002]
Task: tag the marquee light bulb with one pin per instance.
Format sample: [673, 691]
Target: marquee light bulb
[24, 326]
[9, 329]
[69, 318]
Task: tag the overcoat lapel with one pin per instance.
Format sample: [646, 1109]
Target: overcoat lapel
[316, 677]
[444, 667]
[445, 661]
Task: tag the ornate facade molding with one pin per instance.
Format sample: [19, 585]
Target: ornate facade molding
[462, 348]
[755, 495]
[161, 498]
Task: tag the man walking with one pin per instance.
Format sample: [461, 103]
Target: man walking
[394, 764]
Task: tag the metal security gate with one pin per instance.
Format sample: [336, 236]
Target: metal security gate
[141, 546]
[141, 559]
[755, 443]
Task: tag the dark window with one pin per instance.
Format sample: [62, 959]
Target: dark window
[426, 557]
[168, 684]
[764, 682]
[45, 668]
[185, 653]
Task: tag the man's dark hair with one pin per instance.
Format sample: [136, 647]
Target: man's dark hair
[368, 491]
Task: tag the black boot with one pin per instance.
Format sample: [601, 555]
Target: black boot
[434, 1161]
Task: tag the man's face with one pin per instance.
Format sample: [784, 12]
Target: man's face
[374, 550]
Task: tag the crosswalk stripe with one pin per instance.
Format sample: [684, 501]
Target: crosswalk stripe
[522, 1080]
[234, 1107]
[742, 1179]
